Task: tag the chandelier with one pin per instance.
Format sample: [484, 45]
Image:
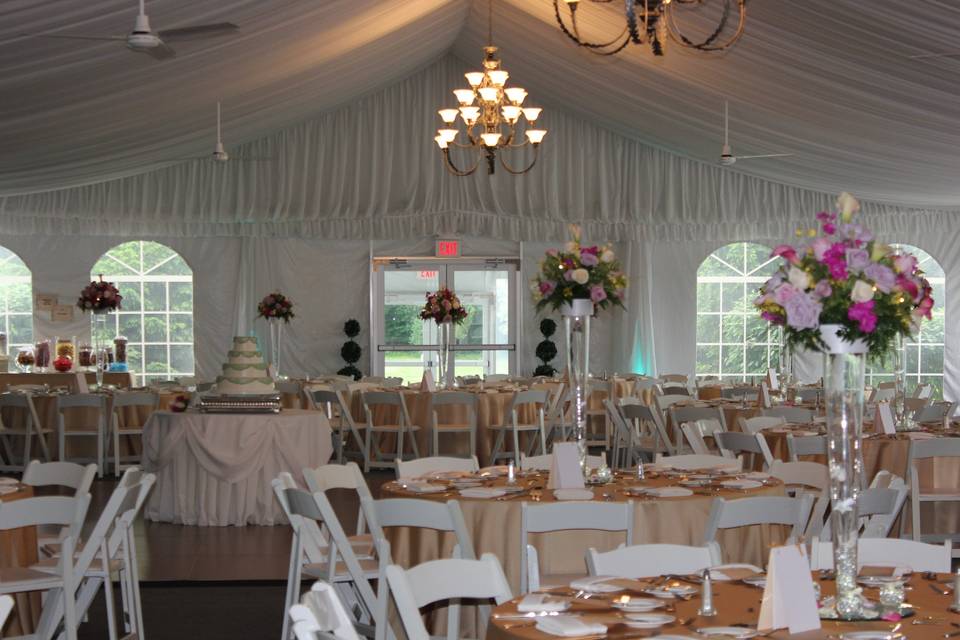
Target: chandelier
[492, 114]
[654, 22]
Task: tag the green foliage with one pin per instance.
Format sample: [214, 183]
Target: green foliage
[351, 328]
[402, 324]
[350, 351]
[350, 370]
[544, 370]
[548, 327]
[546, 349]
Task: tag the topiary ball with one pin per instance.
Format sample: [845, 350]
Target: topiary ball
[544, 370]
[350, 352]
[350, 371]
[548, 327]
[546, 351]
[351, 328]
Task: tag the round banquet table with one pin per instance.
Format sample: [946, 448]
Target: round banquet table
[737, 604]
[215, 469]
[18, 549]
[494, 525]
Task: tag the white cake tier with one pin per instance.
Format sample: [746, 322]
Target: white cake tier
[252, 370]
[245, 386]
[244, 357]
[246, 344]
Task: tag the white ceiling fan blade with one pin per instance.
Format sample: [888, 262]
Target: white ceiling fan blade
[159, 52]
[72, 37]
[766, 155]
[198, 31]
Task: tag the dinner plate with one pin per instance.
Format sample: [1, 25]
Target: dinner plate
[878, 581]
[741, 484]
[463, 483]
[756, 581]
[869, 635]
[422, 487]
[637, 604]
[669, 492]
[573, 494]
[4, 481]
[694, 483]
[730, 632]
[647, 620]
[757, 475]
[671, 592]
[5, 489]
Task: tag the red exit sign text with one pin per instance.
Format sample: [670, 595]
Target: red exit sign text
[448, 248]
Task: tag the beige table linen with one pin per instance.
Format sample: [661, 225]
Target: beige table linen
[216, 469]
[18, 548]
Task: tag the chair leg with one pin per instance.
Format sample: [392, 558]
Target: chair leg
[108, 594]
[116, 452]
[414, 445]
[293, 586]
[497, 446]
[133, 577]
[516, 447]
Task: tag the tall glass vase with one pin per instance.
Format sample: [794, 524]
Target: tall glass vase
[900, 386]
[444, 330]
[576, 323]
[276, 344]
[100, 339]
[843, 381]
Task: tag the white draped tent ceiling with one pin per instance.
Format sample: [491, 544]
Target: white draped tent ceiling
[826, 80]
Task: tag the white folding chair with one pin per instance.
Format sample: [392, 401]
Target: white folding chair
[759, 423]
[421, 467]
[665, 401]
[566, 516]
[341, 420]
[403, 429]
[83, 404]
[349, 477]
[887, 552]
[60, 581]
[647, 560]
[750, 394]
[923, 391]
[21, 405]
[543, 463]
[880, 504]
[441, 580]
[727, 514]
[57, 474]
[335, 562]
[796, 415]
[648, 430]
[806, 477]
[320, 614]
[121, 400]
[737, 445]
[935, 412]
[668, 389]
[692, 461]
[680, 414]
[535, 400]
[921, 451]
[806, 446]
[466, 402]
[6, 606]
[555, 418]
[681, 378]
[882, 394]
[595, 412]
[288, 388]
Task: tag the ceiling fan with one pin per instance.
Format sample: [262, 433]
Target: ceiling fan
[153, 43]
[219, 151]
[726, 156]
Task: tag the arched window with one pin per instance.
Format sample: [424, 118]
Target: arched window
[157, 315]
[733, 341]
[16, 301]
[923, 360]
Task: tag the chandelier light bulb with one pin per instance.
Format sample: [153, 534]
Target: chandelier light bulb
[498, 77]
[511, 113]
[535, 136]
[515, 95]
[448, 135]
[474, 78]
[490, 139]
[488, 94]
[531, 113]
[440, 141]
[448, 115]
[464, 96]
[470, 114]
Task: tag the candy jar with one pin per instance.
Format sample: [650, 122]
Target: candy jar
[42, 355]
[85, 356]
[25, 360]
[120, 354]
[65, 348]
[63, 363]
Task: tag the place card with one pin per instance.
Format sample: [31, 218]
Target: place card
[82, 386]
[788, 598]
[883, 419]
[565, 472]
[45, 301]
[765, 395]
[772, 380]
[61, 313]
[427, 383]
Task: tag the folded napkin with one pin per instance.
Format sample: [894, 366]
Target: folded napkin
[596, 584]
[573, 494]
[569, 627]
[542, 602]
[482, 492]
[422, 487]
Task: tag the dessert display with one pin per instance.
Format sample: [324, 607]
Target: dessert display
[245, 372]
[25, 360]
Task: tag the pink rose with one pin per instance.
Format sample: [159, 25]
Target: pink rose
[547, 287]
[597, 294]
[783, 293]
[820, 246]
[786, 252]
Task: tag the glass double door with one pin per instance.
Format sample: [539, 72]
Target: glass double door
[407, 346]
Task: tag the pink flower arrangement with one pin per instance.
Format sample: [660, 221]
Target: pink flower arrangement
[443, 306]
[100, 297]
[276, 306]
[578, 272]
[844, 276]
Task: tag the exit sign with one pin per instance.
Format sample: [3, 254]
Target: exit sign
[448, 248]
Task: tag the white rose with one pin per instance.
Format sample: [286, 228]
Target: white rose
[607, 256]
[580, 276]
[571, 247]
[799, 278]
[862, 292]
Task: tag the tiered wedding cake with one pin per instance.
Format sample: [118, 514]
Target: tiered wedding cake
[245, 372]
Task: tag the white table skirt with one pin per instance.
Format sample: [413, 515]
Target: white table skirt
[216, 469]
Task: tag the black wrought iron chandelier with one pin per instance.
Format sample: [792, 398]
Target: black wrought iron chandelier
[654, 22]
[494, 118]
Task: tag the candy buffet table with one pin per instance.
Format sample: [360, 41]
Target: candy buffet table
[216, 469]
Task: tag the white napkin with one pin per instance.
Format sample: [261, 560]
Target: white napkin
[573, 494]
[423, 487]
[542, 602]
[669, 492]
[482, 492]
[595, 584]
[920, 435]
[5, 489]
[569, 627]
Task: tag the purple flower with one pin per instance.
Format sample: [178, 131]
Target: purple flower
[882, 276]
[829, 228]
[547, 287]
[826, 216]
[597, 293]
[783, 293]
[857, 259]
[823, 289]
[771, 317]
[803, 312]
[588, 259]
[862, 313]
[568, 275]
[836, 261]
[820, 246]
[856, 233]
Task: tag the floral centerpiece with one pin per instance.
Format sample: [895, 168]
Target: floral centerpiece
[443, 306]
[577, 272]
[276, 306]
[100, 297]
[849, 296]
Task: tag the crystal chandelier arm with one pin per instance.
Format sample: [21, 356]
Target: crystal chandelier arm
[592, 47]
[536, 155]
[709, 43]
[452, 168]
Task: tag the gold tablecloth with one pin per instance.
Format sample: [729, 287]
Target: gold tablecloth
[739, 604]
[18, 548]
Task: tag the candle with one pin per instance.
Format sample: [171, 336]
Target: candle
[706, 598]
[511, 473]
[956, 592]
